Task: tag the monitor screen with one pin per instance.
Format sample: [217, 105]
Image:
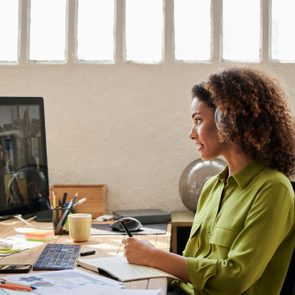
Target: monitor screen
[24, 181]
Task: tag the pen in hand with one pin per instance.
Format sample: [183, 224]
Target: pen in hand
[126, 229]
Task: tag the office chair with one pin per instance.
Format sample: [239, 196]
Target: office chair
[289, 284]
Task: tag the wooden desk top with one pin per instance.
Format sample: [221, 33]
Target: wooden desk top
[108, 245]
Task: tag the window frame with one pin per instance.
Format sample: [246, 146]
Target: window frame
[168, 55]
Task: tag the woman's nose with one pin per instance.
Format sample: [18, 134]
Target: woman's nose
[193, 134]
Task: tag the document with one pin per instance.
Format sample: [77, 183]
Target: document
[119, 268]
[92, 289]
[18, 243]
[63, 281]
[71, 282]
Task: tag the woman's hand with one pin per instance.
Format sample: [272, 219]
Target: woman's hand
[138, 251]
[144, 253]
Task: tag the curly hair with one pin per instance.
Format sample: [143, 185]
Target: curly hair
[254, 115]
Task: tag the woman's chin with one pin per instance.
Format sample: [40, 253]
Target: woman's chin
[205, 157]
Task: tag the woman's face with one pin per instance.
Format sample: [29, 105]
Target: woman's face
[204, 130]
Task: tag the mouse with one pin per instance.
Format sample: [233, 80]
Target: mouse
[131, 223]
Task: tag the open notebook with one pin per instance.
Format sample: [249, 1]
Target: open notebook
[119, 268]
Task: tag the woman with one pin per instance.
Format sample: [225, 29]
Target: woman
[242, 236]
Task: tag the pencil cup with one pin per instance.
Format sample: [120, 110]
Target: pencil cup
[80, 226]
[60, 226]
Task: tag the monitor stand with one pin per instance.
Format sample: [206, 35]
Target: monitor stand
[44, 216]
[27, 216]
[5, 217]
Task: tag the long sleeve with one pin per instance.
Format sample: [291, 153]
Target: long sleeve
[243, 235]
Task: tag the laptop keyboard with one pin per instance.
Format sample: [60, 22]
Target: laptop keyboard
[57, 257]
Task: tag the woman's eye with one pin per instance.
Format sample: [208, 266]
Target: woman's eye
[197, 121]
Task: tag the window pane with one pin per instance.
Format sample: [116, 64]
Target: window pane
[96, 30]
[241, 30]
[283, 30]
[48, 30]
[192, 26]
[9, 30]
[144, 30]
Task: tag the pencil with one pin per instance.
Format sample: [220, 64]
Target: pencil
[16, 287]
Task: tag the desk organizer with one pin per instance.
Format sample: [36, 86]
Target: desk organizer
[96, 195]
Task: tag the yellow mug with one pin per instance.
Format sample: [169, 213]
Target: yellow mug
[79, 226]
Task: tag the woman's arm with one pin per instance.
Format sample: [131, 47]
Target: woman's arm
[144, 253]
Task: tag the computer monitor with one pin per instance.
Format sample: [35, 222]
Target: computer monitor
[24, 184]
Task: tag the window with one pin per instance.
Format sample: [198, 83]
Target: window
[144, 30]
[283, 30]
[48, 30]
[192, 27]
[95, 35]
[9, 24]
[241, 30]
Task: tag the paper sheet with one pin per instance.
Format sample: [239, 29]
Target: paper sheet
[92, 289]
[19, 243]
[59, 282]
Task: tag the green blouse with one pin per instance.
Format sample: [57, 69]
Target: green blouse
[243, 234]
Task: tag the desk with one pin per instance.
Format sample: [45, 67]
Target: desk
[108, 245]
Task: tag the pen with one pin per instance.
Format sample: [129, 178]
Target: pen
[86, 253]
[126, 229]
[65, 215]
[14, 286]
[64, 198]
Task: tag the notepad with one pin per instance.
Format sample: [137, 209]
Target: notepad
[39, 235]
[119, 268]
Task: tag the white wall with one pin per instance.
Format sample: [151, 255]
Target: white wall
[122, 125]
